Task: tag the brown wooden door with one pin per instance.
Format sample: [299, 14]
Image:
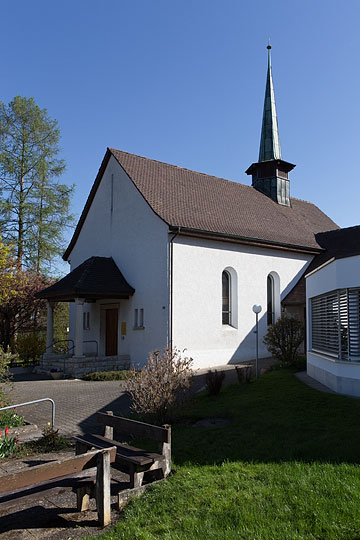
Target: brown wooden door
[111, 335]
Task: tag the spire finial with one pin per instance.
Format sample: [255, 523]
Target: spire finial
[269, 142]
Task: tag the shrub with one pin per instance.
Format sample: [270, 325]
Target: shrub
[7, 445]
[6, 358]
[284, 338]
[214, 380]
[107, 375]
[51, 441]
[160, 385]
[30, 346]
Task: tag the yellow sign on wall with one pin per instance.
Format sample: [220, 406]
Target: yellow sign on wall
[123, 328]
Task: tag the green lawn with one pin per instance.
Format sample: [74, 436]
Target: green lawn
[286, 468]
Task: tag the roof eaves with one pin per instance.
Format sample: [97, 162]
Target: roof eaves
[244, 239]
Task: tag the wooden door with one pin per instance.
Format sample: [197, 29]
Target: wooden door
[111, 334]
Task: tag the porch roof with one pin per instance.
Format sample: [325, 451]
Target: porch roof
[95, 278]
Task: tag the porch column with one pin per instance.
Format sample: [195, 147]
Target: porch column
[79, 332]
[50, 327]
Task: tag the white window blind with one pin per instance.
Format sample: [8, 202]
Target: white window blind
[335, 324]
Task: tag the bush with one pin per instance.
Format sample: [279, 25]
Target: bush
[51, 441]
[214, 380]
[6, 358]
[160, 385]
[284, 338]
[30, 346]
[107, 375]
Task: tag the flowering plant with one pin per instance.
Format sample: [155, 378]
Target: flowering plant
[7, 444]
[10, 418]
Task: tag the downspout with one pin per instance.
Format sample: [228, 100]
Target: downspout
[171, 285]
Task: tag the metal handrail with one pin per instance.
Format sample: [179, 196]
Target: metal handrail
[31, 403]
[61, 341]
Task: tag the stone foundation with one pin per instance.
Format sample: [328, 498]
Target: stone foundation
[77, 366]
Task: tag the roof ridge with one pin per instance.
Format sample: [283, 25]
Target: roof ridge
[178, 167]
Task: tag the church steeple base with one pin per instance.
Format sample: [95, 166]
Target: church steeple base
[271, 178]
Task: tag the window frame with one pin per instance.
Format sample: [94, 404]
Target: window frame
[227, 313]
[334, 324]
[270, 314]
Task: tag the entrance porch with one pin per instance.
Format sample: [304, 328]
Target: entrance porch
[95, 288]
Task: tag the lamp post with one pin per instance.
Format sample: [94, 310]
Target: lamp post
[257, 309]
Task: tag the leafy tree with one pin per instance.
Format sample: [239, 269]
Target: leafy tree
[19, 308]
[7, 273]
[34, 207]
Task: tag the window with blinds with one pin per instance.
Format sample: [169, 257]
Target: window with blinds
[335, 324]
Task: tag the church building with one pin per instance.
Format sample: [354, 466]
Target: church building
[166, 256]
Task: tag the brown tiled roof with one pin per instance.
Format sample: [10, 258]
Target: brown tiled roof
[204, 203]
[97, 277]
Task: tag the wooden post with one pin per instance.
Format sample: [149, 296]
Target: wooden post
[109, 430]
[83, 498]
[103, 500]
[165, 449]
[80, 448]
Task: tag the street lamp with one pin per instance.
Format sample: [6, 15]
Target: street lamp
[257, 309]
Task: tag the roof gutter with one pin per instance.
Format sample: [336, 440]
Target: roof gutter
[320, 267]
[171, 243]
[188, 231]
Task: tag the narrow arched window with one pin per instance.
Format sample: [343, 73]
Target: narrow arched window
[270, 300]
[226, 313]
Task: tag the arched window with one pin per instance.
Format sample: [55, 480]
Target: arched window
[226, 306]
[270, 300]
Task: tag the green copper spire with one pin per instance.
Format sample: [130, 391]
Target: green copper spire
[270, 142]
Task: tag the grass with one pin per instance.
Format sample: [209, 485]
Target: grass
[285, 468]
[106, 375]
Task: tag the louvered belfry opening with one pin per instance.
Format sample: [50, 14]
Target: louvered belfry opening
[335, 324]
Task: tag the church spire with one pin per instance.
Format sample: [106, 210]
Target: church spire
[269, 142]
[270, 175]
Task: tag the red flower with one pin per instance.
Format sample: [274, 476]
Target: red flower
[6, 430]
[0, 435]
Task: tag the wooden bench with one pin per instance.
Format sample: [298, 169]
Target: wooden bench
[88, 474]
[136, 461]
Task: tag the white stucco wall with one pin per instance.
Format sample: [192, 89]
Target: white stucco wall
[123, 226]
[197, 297]
[342, 377]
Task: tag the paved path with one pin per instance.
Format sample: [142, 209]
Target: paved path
[309, 381]
[76, 402]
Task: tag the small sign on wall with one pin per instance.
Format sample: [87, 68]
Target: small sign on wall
[123, 328]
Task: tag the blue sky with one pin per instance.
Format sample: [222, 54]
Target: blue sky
[183, 81]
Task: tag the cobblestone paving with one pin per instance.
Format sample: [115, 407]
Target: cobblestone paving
[76, 402]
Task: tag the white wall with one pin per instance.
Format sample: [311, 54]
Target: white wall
[339, 274]
[197, 297]
[137, 240]
[342, 377]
